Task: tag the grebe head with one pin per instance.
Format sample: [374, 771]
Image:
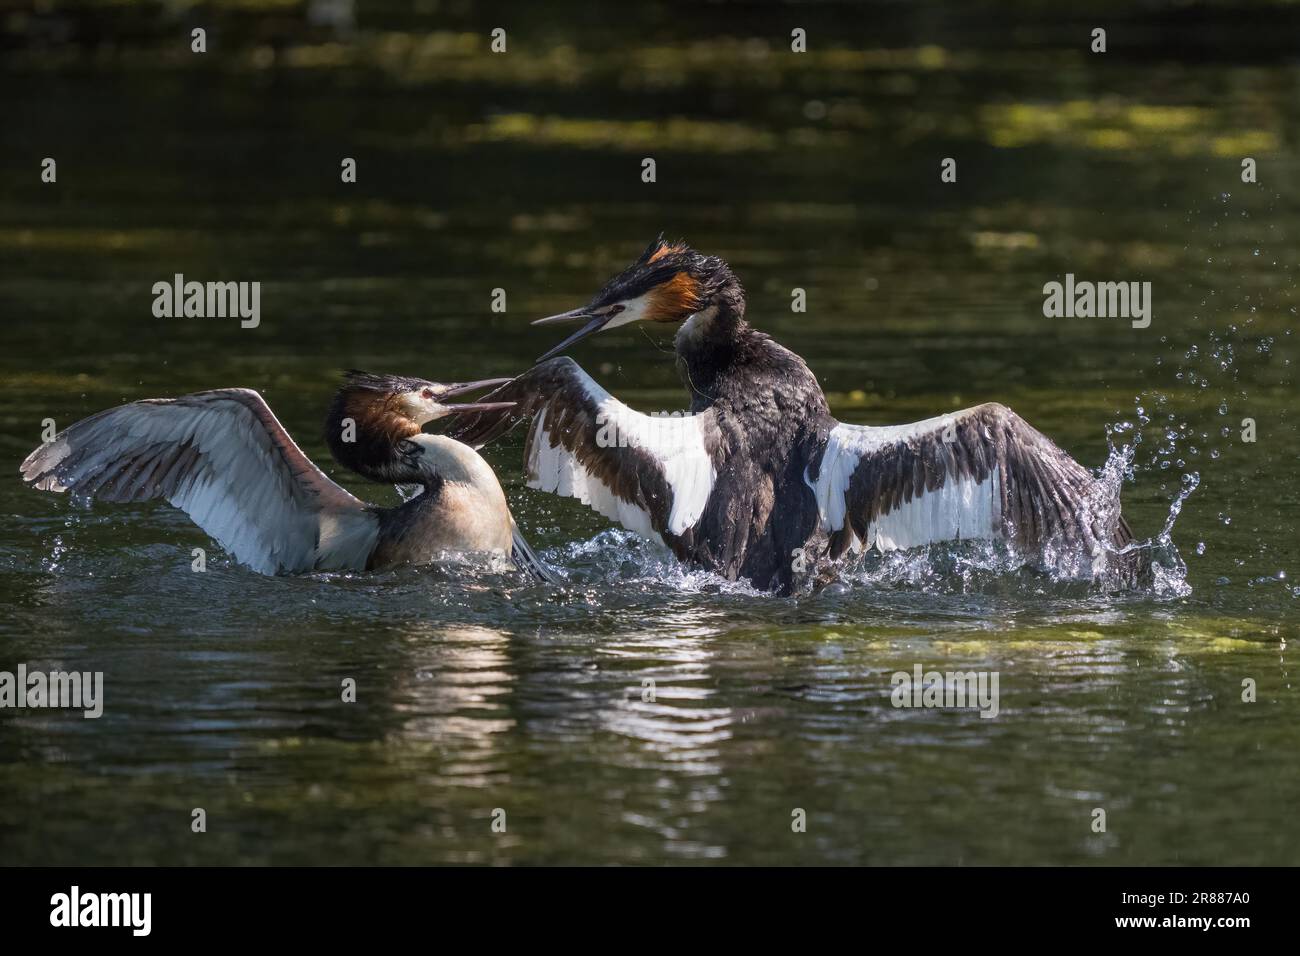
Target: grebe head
[372, 415]
[669, 283]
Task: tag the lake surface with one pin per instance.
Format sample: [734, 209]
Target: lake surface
[480, 693]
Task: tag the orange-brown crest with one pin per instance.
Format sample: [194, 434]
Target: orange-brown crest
[674, 300]
[381, 413]
[664, 250]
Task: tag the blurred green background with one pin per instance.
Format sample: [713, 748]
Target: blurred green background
[521, 171]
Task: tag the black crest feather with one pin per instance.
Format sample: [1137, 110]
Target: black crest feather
[642, 275]
[380, 382]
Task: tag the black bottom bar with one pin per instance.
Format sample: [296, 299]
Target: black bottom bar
[335, 905]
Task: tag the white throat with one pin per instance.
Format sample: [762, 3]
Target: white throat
[451, 460]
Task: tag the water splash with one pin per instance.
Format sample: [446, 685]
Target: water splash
[58, 549]
[620, 558]
[1168, 570]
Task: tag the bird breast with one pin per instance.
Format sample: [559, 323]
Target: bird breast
[443, 523]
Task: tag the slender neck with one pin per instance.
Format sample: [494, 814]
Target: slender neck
[446, 459]
[709, 341]
[462, 508]
[448, 467]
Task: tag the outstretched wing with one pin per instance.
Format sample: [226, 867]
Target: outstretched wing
[222, 458]
[979, 473]
[653, 474]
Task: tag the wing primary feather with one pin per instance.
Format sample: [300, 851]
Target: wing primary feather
[995, 477]
[223, 458]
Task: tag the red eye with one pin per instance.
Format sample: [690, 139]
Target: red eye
[427, 393]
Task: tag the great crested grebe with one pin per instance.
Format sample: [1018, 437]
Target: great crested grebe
[224, 459]
[758, 481]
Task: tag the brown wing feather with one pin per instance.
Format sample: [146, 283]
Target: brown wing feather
[564, 408]
[223, 458]
[1041, 493]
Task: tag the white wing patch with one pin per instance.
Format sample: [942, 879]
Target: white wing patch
[675, 442]
[223, 459]
[961, 508]
[246, 499]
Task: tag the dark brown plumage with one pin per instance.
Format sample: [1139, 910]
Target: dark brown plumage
[788, 487]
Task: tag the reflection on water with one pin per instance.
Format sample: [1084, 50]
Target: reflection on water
[755, 709]
[452, 693]
[646, 713]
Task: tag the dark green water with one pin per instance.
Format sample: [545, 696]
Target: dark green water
[522, 172]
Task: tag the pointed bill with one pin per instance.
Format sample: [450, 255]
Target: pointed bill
[595, 324]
